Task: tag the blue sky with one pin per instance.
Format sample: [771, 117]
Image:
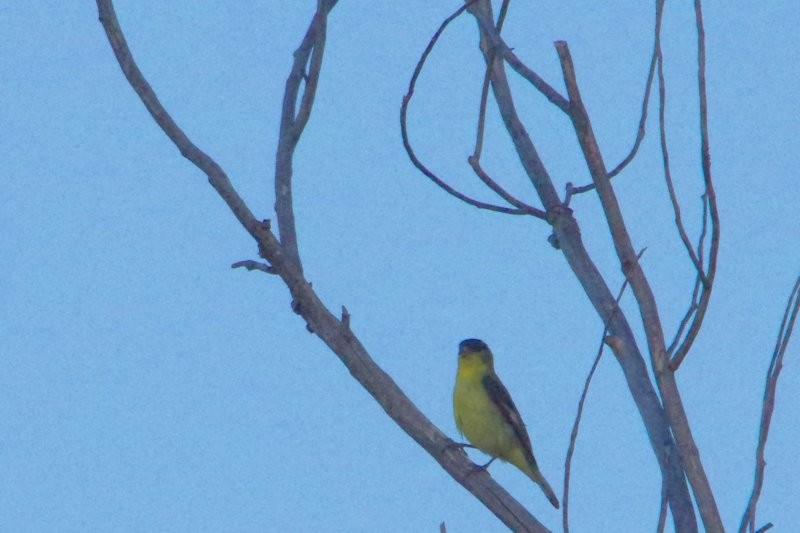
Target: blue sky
[146, 386]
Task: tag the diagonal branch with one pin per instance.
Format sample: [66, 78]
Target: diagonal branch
[567, 233]
[335, 332]
[573, 438]
[519, 207]
[690, 456]
[474, 159]
[768, 405]
[216, 176]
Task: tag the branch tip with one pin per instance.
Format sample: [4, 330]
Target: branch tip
[345, 318]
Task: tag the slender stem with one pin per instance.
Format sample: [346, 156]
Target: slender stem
[689, 454]
[768, 404]
[521, 209]
[335, 332]
[568, 235]
[573, 438]
[710, 194]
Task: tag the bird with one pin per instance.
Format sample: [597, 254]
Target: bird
[486, 415]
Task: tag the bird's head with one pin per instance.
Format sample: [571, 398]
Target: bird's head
[473, 352]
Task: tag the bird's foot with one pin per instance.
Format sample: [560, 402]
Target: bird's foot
[453, 444]
[481, 468]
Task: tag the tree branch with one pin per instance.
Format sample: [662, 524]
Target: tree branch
[572, 190]
[521, 208]
[673, 405]
[573, 438]
[568, 235]
[768, 404]
[710, 196]
[336, 333]
[293, 124]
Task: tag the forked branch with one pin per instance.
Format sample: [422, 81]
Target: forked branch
[670, 396]
[284, 261]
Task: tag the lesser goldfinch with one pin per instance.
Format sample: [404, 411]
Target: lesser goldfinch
[486, 415]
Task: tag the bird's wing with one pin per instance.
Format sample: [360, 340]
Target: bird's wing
[502, 399]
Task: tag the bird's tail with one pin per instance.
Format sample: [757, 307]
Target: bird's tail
[537, 476]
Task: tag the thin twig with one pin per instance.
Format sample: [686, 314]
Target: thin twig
[310, 52]
[485, 87]
[640, 133]
[479, 135]
[686, 317]
[496, 43]
[768, 404]
[665, 379]
[710, 197]
[698, 283]
[505, 195]
[318, 318]
[407, 143]
[216, 176]
[673, 198]
[662, 511]
[574, 434]
[251, 265]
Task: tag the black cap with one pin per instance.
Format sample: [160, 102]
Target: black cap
[472, 345]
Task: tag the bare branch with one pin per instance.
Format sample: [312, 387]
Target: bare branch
[710, 196]
[673, 198]
[574, 434]
[216, 176]
[519, 210]
[572, 190]
[334, 332]
[293, 123]
[768, 404]
[568, 236]
[474, 159]
[251, 265]
[690, 457]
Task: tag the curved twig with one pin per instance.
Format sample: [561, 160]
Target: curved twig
[768, 404]
[492, 184]
[640, 133]
[665, 379]
[567, 234]
[407, 143]
[710, 197]
[573, 437]
[336, 333]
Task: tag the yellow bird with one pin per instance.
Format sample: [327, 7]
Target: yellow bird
[488, 418]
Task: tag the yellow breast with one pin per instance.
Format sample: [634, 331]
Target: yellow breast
[478, 419]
